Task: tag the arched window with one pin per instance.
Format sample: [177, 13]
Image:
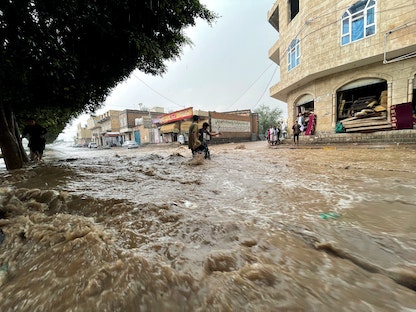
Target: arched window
[293, 54]
[358, 21]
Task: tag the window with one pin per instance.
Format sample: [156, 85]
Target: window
[293, 8]
[293, 54]
[358, 21]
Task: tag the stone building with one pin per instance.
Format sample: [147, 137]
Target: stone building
[130, 122]
[95, 129]
[105, 128]
[84, 135]
[346, 62]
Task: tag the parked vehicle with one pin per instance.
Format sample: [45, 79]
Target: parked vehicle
[92, 145]
[130, 144]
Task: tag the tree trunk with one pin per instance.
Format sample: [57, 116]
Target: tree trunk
[13, 153]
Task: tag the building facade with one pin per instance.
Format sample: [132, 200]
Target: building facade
[84, 135]
[346, 62]
[95, 129]
[135, 125]
[234, 126]
[114, 127]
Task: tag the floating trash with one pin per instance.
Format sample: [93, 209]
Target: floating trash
[329, 215]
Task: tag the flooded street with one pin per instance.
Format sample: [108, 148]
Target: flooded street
[253, 229]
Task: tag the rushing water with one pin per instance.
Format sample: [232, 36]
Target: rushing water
[253, 229]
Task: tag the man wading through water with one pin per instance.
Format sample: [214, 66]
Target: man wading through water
[194, 144]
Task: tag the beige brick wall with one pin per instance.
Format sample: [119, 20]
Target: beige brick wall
[323, 90]
[325, 65]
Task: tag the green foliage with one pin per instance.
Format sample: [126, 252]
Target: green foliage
[268, 117]
[61, 58]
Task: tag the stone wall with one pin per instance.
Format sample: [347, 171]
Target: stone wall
[394, 137]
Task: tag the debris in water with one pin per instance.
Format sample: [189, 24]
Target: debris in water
[329, 215]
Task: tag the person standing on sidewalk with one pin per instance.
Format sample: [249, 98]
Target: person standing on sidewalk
[296, 132]
[301, 121]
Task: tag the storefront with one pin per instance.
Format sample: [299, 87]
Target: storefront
[172, 124]
[169, 132]
[112, 139]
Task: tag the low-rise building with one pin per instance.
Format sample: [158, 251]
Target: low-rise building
[234, 126]
[115, 127]
[95, 129]
[84, 135]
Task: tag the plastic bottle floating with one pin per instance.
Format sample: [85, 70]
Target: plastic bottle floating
[329, 215]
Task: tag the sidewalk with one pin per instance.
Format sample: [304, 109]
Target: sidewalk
[380, 138]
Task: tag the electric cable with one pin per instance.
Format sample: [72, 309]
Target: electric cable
[158, 93]
[252, 84]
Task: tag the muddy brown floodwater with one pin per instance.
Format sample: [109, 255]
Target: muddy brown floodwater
[253, 229]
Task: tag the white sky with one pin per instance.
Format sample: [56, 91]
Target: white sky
[227, 67]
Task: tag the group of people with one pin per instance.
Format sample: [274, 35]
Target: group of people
[299, 126]
[273, 135]
[197, 142]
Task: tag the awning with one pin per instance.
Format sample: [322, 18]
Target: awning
[361, 83]
[185, 126]
[170, 128]
[112, 134]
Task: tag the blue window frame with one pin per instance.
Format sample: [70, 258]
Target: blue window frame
[358, 21]
[293, 54]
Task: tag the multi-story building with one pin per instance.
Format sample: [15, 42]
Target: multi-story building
[350, 62]
[84, 135]
[95, 129]
[131, 119]
[105, 128]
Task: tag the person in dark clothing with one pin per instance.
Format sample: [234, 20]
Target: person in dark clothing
[36, 136]
[203, 134]
[296, 131]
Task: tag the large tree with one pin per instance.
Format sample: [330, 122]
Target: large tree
[268, 117]
[61, 58]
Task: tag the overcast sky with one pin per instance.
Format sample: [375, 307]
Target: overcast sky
[227, 67]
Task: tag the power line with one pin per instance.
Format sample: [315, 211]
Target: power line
[267, 85]
[158, 93]
[253, 83]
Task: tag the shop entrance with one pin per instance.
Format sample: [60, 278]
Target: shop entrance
[306, 106]
[364, 97]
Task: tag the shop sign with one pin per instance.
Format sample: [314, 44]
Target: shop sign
[178, 115]
[227, 125]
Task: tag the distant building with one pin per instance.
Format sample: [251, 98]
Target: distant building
[115, 127]
[145, 128]
[234, 126]
[130, 119]
[350, 62]
[95, 128]
[84, 135]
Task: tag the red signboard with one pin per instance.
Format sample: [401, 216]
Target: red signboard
[178, 115]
